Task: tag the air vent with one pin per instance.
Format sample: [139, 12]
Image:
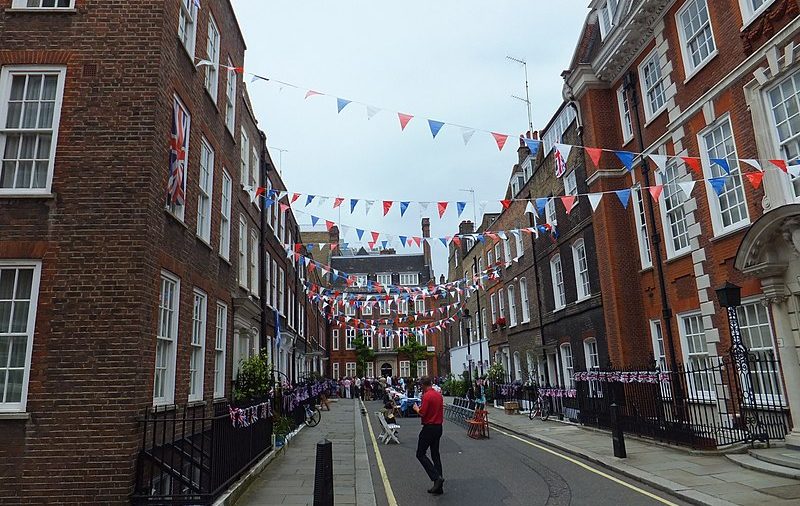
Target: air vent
[90, 70]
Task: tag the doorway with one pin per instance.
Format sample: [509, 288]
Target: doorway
[386, 369]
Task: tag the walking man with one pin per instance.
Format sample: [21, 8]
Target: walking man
[432, 413]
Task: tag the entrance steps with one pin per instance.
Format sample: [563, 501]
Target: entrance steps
[781, 462]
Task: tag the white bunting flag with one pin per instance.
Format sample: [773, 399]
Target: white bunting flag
[753, 163]
[794, 170]
[368, 205]
[466, 134]
[594, 200]
[372, 111]
[529, 209]
[424, 206]
[659, 160]
[687, 188]
[321, 200]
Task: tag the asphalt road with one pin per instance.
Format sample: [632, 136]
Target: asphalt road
[503, 470]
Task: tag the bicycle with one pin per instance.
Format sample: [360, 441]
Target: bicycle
[540, 408]
[313, 416]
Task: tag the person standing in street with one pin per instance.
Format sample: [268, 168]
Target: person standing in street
[431, 411]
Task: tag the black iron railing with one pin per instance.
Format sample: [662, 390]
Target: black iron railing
[190, 455]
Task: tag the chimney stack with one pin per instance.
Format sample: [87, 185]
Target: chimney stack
[466, 227]
[333, 236]
[426, 248]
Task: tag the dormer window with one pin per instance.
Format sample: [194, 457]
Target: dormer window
[607, 12]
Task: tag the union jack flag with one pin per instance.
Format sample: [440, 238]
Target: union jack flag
[561, 163]
[176, 187]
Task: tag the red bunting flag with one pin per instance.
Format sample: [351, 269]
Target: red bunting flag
[371, 245]
[781, 164]
[337, 202]
[311, 266]
[417, 240]
[311, 93]
[238, 70]
[404, 119]
[375, 236]
[284, 207]
[457, 241]
[655, 191]
[442, 208]
[506, 204]
[329, 225]
[594, 155]
[569, 202]
[295, 196]
[755, 178]
[387, 204]
[500, 139]
[260, 191]
[694, 163]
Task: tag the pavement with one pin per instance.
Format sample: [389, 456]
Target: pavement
[697, 478]
[503, 470]
[289, 479]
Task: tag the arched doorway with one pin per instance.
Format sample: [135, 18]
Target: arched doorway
[386, 369]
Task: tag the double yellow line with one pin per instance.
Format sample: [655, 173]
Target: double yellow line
[384, 476]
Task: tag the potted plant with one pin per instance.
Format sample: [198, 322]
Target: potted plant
[501, 322]
[282, 426]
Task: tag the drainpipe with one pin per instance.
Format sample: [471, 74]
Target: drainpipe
[262, 249]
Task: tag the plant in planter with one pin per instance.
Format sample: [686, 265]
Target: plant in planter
[282, 426]
[253, 381]
[501, 322]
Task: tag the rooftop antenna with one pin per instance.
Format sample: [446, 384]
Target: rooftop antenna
[474, 208]
[527, 99]
[280, 158]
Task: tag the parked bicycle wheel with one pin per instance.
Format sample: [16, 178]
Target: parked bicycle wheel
[545, 411]
[313, 417]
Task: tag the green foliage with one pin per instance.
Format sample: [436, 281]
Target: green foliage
[496, 374]
[456, 387]
[415, 351]
[283, 425]
[364, 354]
[254, 379]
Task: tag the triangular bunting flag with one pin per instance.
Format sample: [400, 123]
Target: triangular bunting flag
[341, 104]
[295, 196]
[360, 233]
[353, 203]
[375, 236]
[693, 163]
[442, 208]
[529, 208]
[329, 225]
[466, 134]
[460, 207]
[594, 155]
[500, 139]
[435, 127]
[624, 197]
[626, 157]
[403, 207]
[314, 220]
[337, 202]
[594, 200]
[723, 163]
[541, 203]
[781, 164]
[372, 111]
[404, 119]
[718, 184]
[569, 202]
[754, 178]
[309, 199]
[659, 160]
[533, 145]
[387, 205]
[655, 191]
[687, 187]
[424, 206]
[311, 93]
[506, 204]
[753, 163]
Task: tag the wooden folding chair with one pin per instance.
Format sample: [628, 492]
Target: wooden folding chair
[389, 431]
[479, 425]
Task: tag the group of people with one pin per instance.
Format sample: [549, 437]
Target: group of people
[369, 389]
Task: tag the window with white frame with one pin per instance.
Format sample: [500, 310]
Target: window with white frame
[409, 279]
[402, 306]
[384, 307]
[244, 156]
[336, 370]
[756, 330]
[166, 341]
[673, 215]
[198, 347]
[360, 280]
[523, 296]
[370, 369]
[485, 323]
[206, 184]
[558, 126]
[607, 14]
[225, 217]
[751, 9]
[568, 368]
[641, 227]
[19, 292]
[290, 308]
[501, 304]
[350, 369]
[571, 184]
[592, 358]
[281, 288]
[349, 336]
[274, 278]
[212, 53]
[220, 346]
[557, 277]
[475, 335]
[624, 115]
[519, 244]
[43, 4]
[696, 35]
[550, 212]
[367, 336]
[527, 168]
[489, 257]
[385, 278]
[695, 350]
[581, 266]
[493, 301]
[350, 309]
[243, 278]
[659, 352]
[230, 99]
[512, 306]
[402, 336]
[386, 339]
[422, 368]
[255, 162]
[254, 273]
[729, 208]
[784, 103]
[335, 339]
[405, 368]
[187, 24]
[653, 88]
[30, 111]
[366, 309]
[498, 254]
[507, 250]
[419, 306]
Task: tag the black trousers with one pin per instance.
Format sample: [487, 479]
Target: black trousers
[429, 437]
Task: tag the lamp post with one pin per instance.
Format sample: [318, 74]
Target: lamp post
[730, 297]
[466, 321]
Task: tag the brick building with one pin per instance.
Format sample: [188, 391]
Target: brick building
[362, 307]
[113, 304]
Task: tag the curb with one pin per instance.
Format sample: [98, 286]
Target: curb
[240, 486]
[658, 483]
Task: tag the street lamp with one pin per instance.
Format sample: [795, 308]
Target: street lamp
[730, 297]
[466, 321]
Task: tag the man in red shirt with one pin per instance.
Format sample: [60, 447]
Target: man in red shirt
[432, 413]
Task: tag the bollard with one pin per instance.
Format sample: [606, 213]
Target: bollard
[617, 435]
[323, 475]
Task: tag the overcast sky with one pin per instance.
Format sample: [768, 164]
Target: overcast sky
[443, 59]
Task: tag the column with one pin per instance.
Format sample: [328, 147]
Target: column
[782, 308]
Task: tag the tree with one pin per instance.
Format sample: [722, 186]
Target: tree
[415, 351]
[364, 354]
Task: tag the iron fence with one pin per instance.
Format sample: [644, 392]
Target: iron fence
[190, 455]
[707, 403]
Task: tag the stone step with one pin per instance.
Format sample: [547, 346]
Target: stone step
[754, 464]
[778, 456]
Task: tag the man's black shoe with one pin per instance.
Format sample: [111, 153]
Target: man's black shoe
[437, 487]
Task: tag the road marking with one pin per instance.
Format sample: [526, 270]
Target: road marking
[384, 476]
[589, 468]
